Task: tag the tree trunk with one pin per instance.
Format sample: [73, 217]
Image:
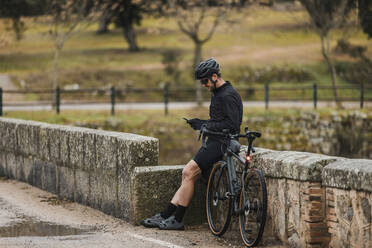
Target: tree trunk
[327, 57]
[104, 21]
[55, 74]
[18, 27]
[197, 59]
[130, 36]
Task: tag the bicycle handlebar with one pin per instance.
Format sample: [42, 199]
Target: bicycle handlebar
[226, 134]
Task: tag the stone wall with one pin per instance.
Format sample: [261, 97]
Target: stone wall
[346, 134]
[316, 200]
[89, 166]
[313, 200]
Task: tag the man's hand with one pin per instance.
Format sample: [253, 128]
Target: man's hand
[196, 123]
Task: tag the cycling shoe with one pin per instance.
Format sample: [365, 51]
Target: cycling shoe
[153, 221]
[171, 224]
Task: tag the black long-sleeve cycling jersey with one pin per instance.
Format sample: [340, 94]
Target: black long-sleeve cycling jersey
[226, 109]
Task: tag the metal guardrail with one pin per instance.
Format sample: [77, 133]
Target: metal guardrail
[167, 92]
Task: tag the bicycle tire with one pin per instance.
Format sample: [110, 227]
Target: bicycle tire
[218, 205]
[252, 219]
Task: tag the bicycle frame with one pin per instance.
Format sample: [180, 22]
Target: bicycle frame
[234, 179]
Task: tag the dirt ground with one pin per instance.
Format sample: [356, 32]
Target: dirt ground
[20, 199]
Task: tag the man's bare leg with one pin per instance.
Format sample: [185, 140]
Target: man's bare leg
[190, 174]
[181, 199]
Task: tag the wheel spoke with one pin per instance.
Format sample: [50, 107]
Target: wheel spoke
[252, 220]
[218, 205]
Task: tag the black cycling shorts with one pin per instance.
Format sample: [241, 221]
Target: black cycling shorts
[206, 157]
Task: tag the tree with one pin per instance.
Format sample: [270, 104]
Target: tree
[128, 13]
[105, 19]
[192, 17]
[326, 15]
[365, 16]
[16, 9]
[171, 59]
[68, 17]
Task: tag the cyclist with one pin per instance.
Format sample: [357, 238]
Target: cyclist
[225, 111]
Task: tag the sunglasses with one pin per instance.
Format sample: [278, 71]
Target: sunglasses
[204, 81]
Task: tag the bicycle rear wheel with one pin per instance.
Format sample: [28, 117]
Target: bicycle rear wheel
[253, 202]
[218, 202]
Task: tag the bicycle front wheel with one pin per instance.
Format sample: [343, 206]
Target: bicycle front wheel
[218, 202]
[253, 203]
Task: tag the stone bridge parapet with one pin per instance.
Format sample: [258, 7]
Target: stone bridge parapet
[313, 200]
[92, 167]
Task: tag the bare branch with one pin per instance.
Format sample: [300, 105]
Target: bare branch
[215, 24]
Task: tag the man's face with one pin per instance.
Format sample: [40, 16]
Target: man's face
[207, 83]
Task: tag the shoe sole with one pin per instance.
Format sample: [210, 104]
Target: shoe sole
[176, 229]
[148, 225]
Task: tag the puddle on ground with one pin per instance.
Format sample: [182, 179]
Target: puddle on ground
[15, 224]
[40, 229]
[32, 228]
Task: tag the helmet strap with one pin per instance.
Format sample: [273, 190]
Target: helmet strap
[214, 82]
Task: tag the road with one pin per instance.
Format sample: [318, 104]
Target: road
[32, 218]
[178, 105]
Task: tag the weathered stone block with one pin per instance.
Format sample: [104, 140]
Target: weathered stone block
[353, 174]
[8, 134]
[25, 170]
[153, 188]
[50, 177]
[125, 210]
[44, 148]
[18, 166]
[2, 164]
[2, 134]
[54, 134]
[90, 158]
[27, 134]
[65, 147]
[77, 149]
[66, 182]
[11, 165]
[137, 151]
[82, 186]
[292, 165]
[351, 227]
[33, 138]
[109, 189]
[37, 173]
[107, 150]
[104, 190]
[96, 194]
[23, 142]
[293, 204]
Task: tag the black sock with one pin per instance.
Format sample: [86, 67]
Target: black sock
[180, 212]
[168, 211]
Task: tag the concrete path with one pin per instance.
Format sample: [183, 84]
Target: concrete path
[24, 210]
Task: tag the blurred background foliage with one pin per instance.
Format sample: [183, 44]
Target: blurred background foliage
[140, 43]
[255, 41]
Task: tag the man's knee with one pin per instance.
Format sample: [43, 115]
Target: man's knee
[191, 171]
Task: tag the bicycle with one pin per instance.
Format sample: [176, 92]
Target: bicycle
[227, 195]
